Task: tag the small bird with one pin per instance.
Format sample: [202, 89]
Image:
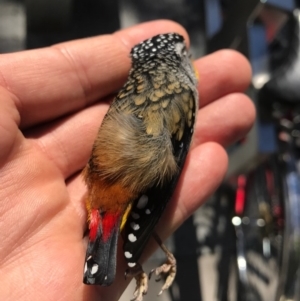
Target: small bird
[137, 159]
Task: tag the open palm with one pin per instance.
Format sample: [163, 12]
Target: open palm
[49, 116]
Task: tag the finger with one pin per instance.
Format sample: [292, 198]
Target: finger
[9, 121]
[69, 142]
[221, 73]
[225, 121]
[57, 80]
[203, 172]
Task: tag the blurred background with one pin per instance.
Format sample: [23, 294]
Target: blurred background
[244, 243]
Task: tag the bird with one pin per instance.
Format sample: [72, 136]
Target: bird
[137, 159]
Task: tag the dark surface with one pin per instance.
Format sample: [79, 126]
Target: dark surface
[188, 13]
[50, 22]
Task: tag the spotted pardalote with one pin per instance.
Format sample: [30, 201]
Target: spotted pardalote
[137, 158]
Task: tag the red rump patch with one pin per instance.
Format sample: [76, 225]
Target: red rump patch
[109, 222]
[94, 224]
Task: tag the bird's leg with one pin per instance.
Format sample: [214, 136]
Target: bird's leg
[168, 268]
[141, 281]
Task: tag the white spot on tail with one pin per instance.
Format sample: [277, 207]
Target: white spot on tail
[147, 211]
[131, 264]
[95, 268]
[134, 226]
[105, 278]
[132, 237]
[143, 201]
[128, 254]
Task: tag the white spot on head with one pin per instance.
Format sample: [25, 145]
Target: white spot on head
[142, 202]
[132, 237]
[134, 226]
[105, 278]
[131, 264]
[135, 215]
[95, 268]
[147, 211]
[128, 254]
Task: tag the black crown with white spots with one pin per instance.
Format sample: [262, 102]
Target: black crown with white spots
[157, 45]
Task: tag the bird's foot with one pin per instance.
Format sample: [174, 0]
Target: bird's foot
[169, 268]
[141, 282]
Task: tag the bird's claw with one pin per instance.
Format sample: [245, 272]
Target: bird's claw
[168, 268]
[141, 287]
[141, 281]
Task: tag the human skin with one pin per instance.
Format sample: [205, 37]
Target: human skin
[52, 102]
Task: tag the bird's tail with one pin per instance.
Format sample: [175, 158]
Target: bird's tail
[100, 261]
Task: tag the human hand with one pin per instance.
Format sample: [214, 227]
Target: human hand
[49, 117]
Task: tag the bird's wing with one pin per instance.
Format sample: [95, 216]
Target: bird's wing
[147, 209]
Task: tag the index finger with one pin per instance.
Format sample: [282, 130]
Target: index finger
[58, 80]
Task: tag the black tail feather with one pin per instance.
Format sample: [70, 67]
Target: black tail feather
[100, 262]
